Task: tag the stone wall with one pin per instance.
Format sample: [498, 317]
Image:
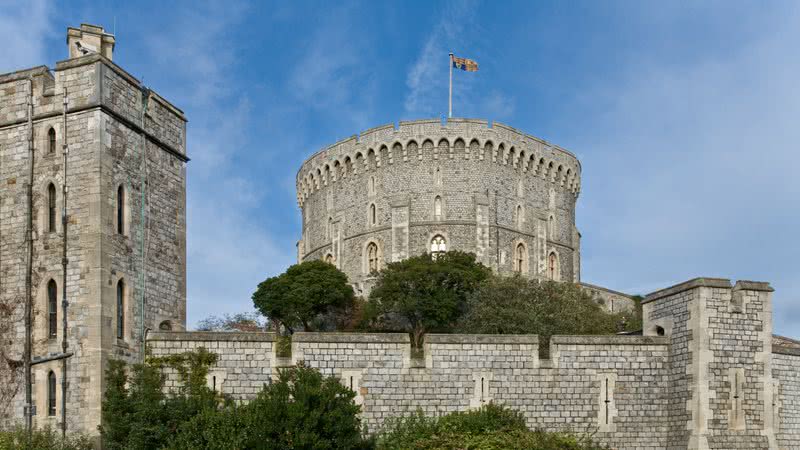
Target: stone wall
[612, 301]
[613, 386]
[786, 404]
[484, 189]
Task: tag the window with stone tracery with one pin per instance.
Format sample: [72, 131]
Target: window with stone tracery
[438, 245]
[372, 257]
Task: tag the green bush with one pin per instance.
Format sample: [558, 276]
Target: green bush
[488, 428]
[43, 439]
[137, 414]
[301, 410]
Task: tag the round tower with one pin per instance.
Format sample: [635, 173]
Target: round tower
[427, 186]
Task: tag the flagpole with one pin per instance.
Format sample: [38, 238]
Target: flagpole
[450, 98]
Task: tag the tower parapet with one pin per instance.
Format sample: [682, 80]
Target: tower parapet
[392, 192]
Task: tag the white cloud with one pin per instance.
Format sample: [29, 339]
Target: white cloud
[24, 27]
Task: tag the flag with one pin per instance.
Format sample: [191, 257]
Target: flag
[465, 64]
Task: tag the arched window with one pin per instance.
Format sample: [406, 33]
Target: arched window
[437, 177]
[520, 216]
[551, 227]
[51, 394]
[120, 309]
[51, 141]
[520, 258]
[373, 214]
[52, 309]
[329, 229]
[372, 257]
[165, 326]
[437, 208]
[329, 258]
[438, 245]
[552, 266]
[51, 208]
[371, 186]
[120, 210]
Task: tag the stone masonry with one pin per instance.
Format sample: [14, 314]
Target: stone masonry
[705, 375]
[395, 191]
[90, 109]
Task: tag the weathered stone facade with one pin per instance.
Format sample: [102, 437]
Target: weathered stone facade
[394, 192]
[90, 110]
[705, 376]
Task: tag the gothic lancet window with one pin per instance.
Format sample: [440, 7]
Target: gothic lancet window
[437, 208]
[520, 217]
[51, 141]
[373, 214]
[552, 266]
[520, 258]
[52, 309]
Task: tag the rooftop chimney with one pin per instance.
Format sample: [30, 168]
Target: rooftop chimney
[89, 39]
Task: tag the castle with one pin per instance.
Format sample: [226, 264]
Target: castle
[706, 372]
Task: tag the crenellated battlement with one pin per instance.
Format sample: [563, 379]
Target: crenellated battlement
[431, 139]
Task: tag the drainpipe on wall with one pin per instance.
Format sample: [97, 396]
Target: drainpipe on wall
[64, 261]
[29, 276]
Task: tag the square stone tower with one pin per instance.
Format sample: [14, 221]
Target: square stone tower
[92, 211]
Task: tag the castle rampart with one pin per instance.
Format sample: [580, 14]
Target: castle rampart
[705, 376]
[398, 191]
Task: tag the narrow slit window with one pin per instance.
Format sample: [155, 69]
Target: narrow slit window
[120, 210]
[51, 208]
[373, 214]
[51, 394]
[52, 308]
[120, 309]
[437, 208]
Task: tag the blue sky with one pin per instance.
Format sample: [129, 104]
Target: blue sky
[684, 115]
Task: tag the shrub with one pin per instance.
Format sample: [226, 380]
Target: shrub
[43, 439]
[301, 410]
[488, 428]
[137, 414]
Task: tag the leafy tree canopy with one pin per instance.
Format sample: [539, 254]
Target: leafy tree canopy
[303, 294]
[236, 322]
[516, 305]
[426, 293]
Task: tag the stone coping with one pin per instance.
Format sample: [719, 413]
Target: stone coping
[762, 286]
[216, 336]
[23, 74]
[369, 338]
[604, 289]
[783, 350]
[687, 285]
[609, 340]
[481, 339]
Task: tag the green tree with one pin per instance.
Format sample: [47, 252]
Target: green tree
[516, 305]
[237, 322]
[425, 293]
[303, 294]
